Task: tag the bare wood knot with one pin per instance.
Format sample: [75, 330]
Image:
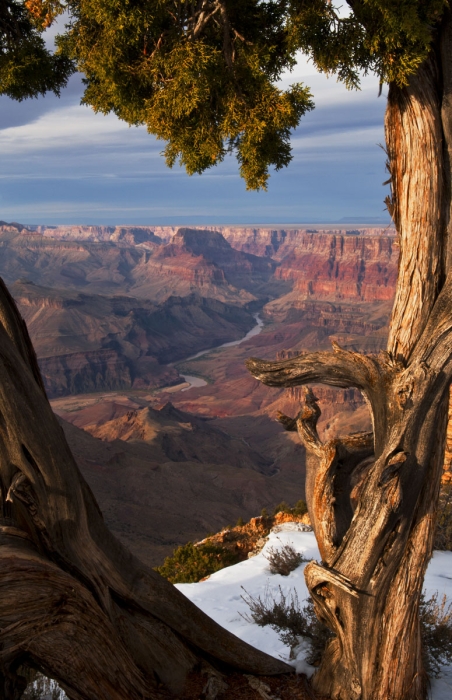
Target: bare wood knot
[393, 467]
[404, 396]
[21, 490]
[318, 577]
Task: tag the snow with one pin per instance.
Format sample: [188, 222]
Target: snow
[439, 578]
[220, 596]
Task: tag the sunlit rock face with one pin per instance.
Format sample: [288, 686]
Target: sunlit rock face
[111, 307]
[341, 267]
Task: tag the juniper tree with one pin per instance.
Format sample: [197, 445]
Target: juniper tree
[201, 75]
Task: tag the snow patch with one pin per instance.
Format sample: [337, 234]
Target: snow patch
[220, 597]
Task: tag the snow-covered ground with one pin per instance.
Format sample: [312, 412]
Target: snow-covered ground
[220, 596]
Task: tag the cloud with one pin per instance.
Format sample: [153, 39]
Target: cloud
[61, 163]
[13, 113]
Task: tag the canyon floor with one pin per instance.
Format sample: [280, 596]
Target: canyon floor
[114, 313]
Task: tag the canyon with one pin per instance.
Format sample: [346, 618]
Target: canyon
[114, 313]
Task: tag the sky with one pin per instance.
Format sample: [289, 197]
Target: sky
[63, 164]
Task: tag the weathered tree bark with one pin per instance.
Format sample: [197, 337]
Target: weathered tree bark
[73, 602]
[372, 498]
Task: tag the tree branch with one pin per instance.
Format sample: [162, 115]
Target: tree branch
[43, 608]
[202, 17]
[329, 473]
[306, 423]
[46, 505]
[340, 368]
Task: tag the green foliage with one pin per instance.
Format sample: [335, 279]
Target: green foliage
[190, 564]
[436, 629]
[282, 507]
[240, 522]
[203, 76]
[27, 69]
[299, 509]
[285, 615]
[205, 86]
[390, 37]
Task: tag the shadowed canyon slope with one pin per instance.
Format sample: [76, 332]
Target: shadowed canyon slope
[114, 312]
[88, 342]
[110, 308]
[165, 477]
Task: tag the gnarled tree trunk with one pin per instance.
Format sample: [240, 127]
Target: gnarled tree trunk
[372, 498]
[73, 602]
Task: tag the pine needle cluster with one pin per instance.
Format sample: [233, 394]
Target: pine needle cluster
[203, 75]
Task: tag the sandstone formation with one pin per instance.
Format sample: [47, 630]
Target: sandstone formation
[127, 234]
[355, 264]
[257, 240]
[150, 270]
[341, 267]
[109, 308]
[181, 437]
[241, 269]
[337, 264]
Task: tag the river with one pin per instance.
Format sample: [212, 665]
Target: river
[197, 381]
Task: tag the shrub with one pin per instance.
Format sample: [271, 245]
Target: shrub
[436, 629]
[291, 621]
[282, 508]
[300, 508]
[283, 559]
[190, 564]
[240, 522]
[443, 534]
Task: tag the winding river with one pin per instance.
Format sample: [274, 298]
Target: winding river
[197, 381]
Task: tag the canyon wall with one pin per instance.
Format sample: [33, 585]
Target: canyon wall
[356, 264]
[111, 307]
[328, 265]
[89, 343]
